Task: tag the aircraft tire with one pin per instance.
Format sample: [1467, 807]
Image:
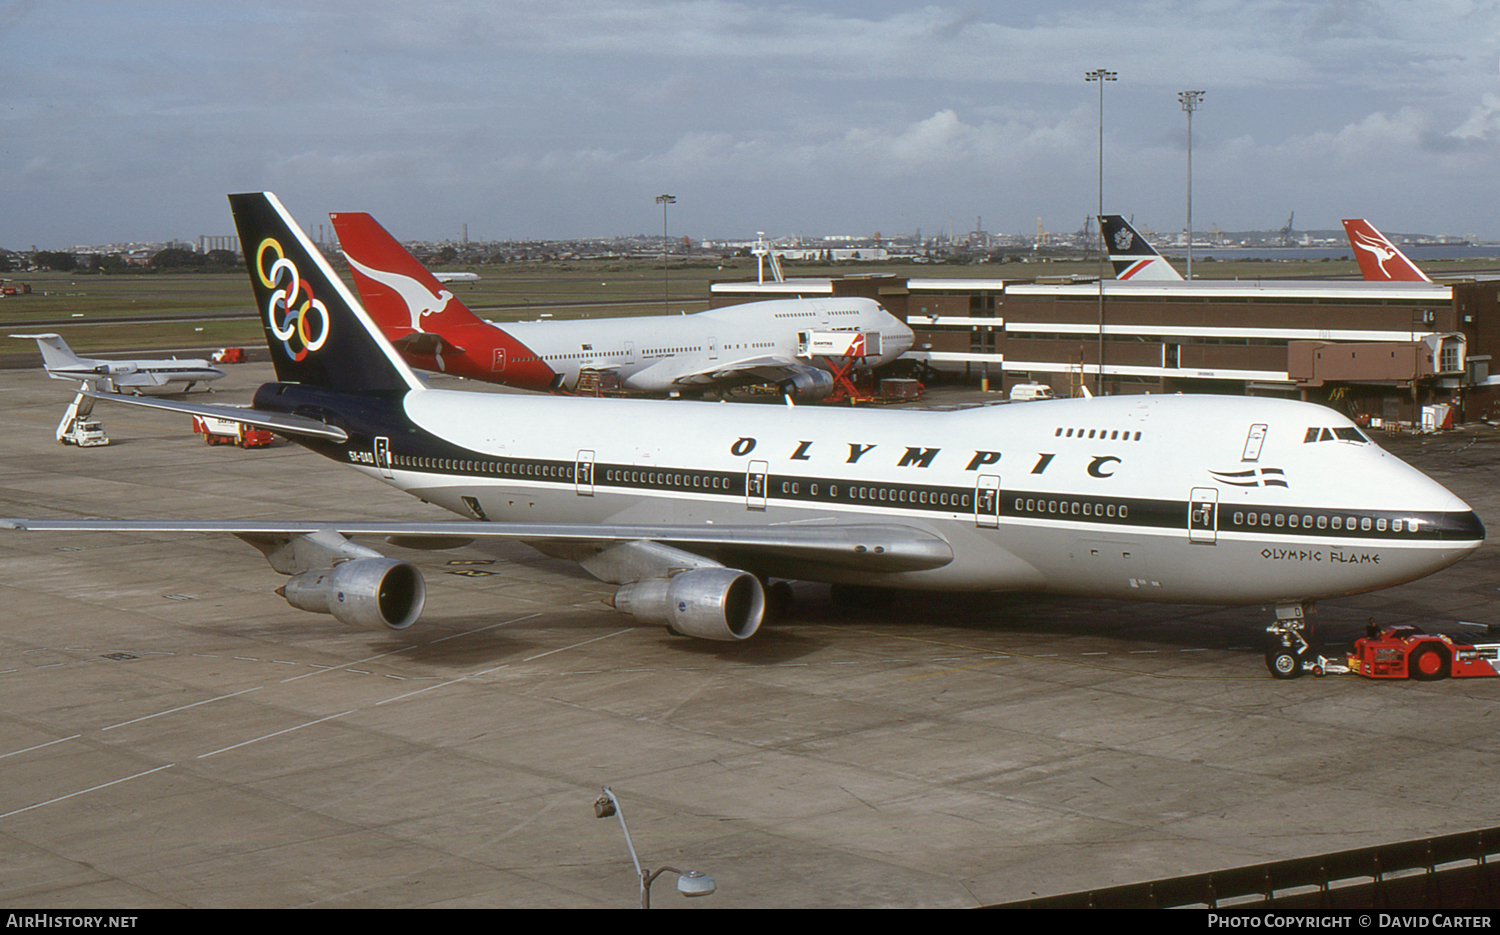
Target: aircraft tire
[1283, 663]
[1428, 664]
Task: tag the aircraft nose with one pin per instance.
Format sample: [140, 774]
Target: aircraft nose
[1463, 523]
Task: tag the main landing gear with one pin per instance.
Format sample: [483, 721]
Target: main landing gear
[1290, 655]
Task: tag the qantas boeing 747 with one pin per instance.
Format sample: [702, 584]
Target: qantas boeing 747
[690, 508]
[757, 342]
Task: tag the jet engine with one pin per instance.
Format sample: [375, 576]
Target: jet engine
[709, 603]
[808, 383]
[368, 592]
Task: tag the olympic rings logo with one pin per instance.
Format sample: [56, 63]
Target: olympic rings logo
[288, 320]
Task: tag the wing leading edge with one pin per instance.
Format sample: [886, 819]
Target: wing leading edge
[867, 548]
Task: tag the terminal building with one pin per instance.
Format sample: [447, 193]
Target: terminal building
[1387, 351]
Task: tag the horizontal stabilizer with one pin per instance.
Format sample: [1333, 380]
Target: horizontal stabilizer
[283, 422]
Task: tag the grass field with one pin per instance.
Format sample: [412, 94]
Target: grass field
[207, 310]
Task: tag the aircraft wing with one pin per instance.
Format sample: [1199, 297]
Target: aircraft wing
[750, 369]
[283, 422]
[866, 548]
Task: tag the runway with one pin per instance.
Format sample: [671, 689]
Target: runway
[174, 735]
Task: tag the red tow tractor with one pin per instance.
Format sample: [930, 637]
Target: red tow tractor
[1399, 652]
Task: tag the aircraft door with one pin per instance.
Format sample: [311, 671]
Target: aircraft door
[498, 364]
[630, 352]
[383, 455]
[755, 485]
[1253, 441]
[1203, 516]
[987, 501]
[713, 348]
[583, 474]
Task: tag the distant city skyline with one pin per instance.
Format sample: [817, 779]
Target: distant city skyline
[1320, 238]
[530, 120]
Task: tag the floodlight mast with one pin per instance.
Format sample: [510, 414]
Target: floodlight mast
[666, 302]
[1190, 101]
[1101, 75]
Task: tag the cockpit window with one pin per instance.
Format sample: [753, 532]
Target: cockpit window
[1346, 433]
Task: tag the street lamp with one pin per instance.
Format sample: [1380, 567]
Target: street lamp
[1190, 101]
[1101, 75]
[689, 882]
[665, 200]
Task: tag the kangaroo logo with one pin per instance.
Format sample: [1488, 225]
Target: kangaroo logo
[292, 310]
[420, 300]
[1376, 248]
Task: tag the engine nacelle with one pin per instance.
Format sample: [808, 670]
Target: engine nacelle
[367, 592]
[809, 383]
[709, 603]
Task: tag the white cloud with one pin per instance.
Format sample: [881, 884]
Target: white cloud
[834, 114]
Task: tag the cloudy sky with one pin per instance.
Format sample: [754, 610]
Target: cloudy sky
[130, 119]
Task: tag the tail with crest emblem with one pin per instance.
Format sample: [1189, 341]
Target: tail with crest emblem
[318, 334]
[1130, 254]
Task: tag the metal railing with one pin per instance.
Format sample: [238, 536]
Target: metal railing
[1449, 872]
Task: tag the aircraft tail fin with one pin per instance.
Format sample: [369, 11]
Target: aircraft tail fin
[1379, 259]
[401, 295]
[1129, 253]
[318, 333]
[56, 355]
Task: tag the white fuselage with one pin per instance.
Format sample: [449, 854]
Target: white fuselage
[1180, 498]
[662, 353]
[132, 375]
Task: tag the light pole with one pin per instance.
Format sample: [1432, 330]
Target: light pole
[665, 200]
[689, 882]
[1101, 75]
[1190, 101]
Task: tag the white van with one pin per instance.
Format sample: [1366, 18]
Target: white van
[1026, 392]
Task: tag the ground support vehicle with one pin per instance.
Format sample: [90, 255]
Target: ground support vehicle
[1406, 652]
[216, 431]
[1399, 652]
[76, 428]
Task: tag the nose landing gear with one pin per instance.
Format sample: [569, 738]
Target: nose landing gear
[1289, 654]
